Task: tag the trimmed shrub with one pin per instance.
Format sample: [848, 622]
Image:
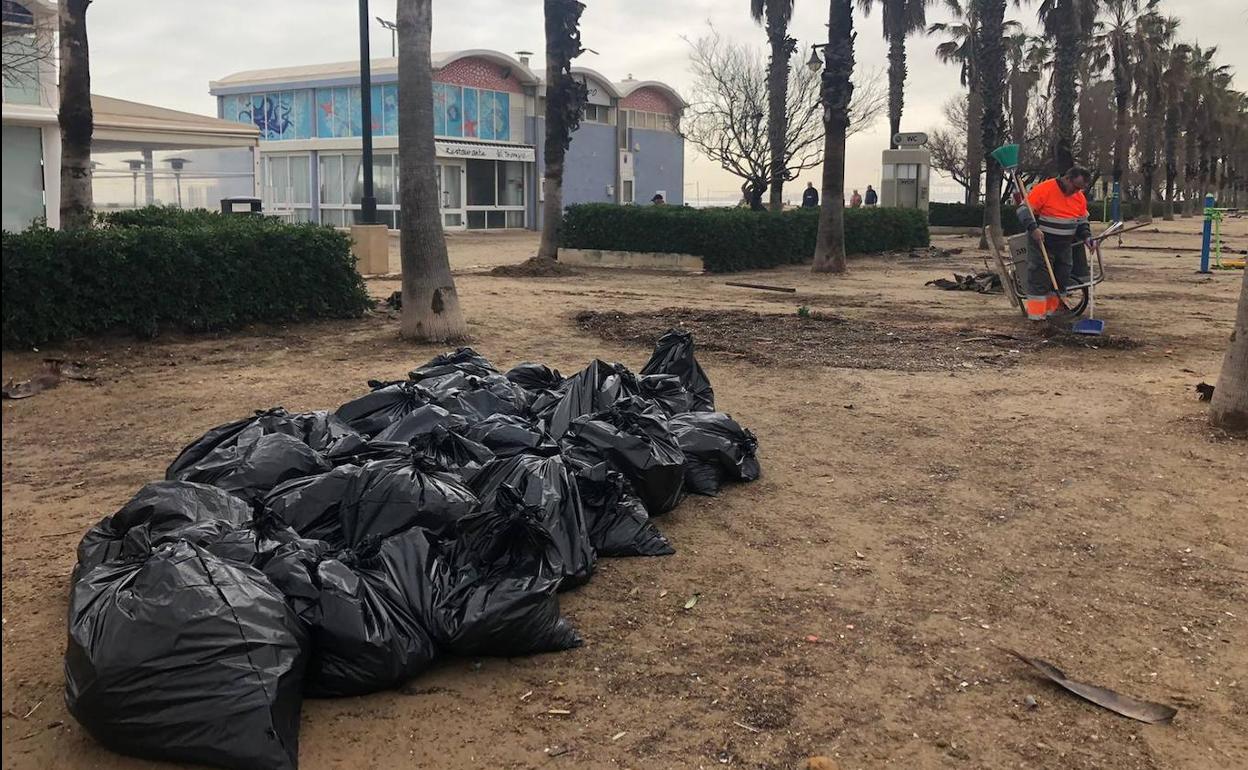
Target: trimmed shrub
[159, 216]
[209, 272]
[962, 215]
[729, 240]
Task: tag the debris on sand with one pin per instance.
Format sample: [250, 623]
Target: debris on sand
[984, 282]
[934, 252]
[1142, 710]
[54, 370]
[534, 267]
[1205, 390]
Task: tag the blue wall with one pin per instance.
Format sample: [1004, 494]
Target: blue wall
[659, 164]
[588, 168]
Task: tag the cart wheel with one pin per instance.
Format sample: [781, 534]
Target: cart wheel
[1077, 301]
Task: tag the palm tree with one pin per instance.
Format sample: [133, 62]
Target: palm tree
[1117, 40]
[837, 92]
[565, 101]
[1024, 53]
[901, 19]
[1205, 83]
[960, 49]
[430, 303]
[775, 15]
[1175, 80]
[990, 66]
[1150, 46]
[1068, 22]
[75, 117]
[1229, 409]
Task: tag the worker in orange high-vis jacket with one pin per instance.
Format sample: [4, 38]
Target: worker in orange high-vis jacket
[1056, 215]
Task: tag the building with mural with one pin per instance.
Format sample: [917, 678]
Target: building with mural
[488, 126]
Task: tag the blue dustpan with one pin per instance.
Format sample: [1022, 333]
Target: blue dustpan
[1094, 326]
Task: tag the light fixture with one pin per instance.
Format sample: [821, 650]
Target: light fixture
[814, 63]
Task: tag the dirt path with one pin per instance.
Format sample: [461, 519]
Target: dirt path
[1072, 505]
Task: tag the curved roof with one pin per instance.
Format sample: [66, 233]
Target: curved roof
[595, 75]
[628, 86]
[386, 65]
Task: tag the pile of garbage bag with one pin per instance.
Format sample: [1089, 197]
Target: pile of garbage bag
[332, 554]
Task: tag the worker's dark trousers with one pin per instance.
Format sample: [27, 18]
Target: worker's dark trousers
[1059, 248]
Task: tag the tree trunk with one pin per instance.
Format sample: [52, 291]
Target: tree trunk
[565, 99]
[1170, 148]
[837, 90]
[782, 48]
[1020, 87]
[430, 303]
[896, 79]
[1189, 173]
[1122, 128]
[974, 143]
[1229, 409]
[75, 117]
[1065, 89]
[990, 60]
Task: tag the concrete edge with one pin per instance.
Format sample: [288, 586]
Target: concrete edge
[647, 260]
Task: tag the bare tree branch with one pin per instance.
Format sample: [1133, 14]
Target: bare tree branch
[726, 119]
[26, 46]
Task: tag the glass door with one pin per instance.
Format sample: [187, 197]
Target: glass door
[451, 193]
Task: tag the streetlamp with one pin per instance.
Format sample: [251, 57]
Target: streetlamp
[368, 202]
[177, 165]
[814, 63]
[135, 167]
[394, 28]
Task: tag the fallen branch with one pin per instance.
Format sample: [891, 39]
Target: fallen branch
[762, 286]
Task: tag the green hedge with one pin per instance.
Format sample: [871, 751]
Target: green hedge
[159, 216]
[219, 274]
[962, 215]
[735, 239]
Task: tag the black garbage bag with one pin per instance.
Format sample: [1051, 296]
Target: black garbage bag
[163, 511]
[507, 569]
[464, 360]
[386, 497]
[389, 401]
[475, 398]
[186, 657]
[595, 388]
[535, 378]
[717, 449]
[545, 484]
[365, 636]
[321, 431]
[666, 392]
[617, 519]
[631, 438]
[251, 470]
[312, 505]
[673, 354]
[507, 435]
[421, 422]
[453, 452]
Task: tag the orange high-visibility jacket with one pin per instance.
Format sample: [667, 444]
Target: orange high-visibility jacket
[1057, 214]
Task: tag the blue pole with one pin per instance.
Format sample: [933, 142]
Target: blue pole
[1115, 205]
[1206, 235]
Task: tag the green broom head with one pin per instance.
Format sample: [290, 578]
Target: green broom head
[1006, 155]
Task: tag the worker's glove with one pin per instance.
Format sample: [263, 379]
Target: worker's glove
[1090, 244]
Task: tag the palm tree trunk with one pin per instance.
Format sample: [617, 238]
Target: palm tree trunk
[782, 47]
[1171, 144]
[1229, 409]
[430, 303]
[1065, 89]
[974, 143]
[75, 117]
[990, 61]
[1122, 128]
[896, 79]
[1189, 173]
[565, 98]
[838, 89]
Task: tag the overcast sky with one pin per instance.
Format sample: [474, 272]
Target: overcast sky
[165, 52]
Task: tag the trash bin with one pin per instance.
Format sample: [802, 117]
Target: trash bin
[240, 204]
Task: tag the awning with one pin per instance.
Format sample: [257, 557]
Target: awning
[123, 125]
[485, 151]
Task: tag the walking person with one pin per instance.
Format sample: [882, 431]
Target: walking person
[1056, 216]
[810, 196]
[872, 198]
[855, 200]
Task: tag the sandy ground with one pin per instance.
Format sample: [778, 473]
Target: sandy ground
[1072, 504]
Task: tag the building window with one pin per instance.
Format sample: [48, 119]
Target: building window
[25, 47]
[277, 114]
[653, 121]
[471, 113]
[596, 113]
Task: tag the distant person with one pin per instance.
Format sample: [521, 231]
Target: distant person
[855, 200]
[871, 198]
[810, 196]
[657, 200]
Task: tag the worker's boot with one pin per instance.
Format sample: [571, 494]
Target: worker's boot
[1037, 307]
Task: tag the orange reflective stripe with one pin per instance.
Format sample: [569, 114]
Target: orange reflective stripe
[1036, 307]
[1052, 303]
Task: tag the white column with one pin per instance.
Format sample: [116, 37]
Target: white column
[52, 175]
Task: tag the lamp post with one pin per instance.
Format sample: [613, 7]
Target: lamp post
[368, 203]
[177, 164]
[135, 167]
[394, 28]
